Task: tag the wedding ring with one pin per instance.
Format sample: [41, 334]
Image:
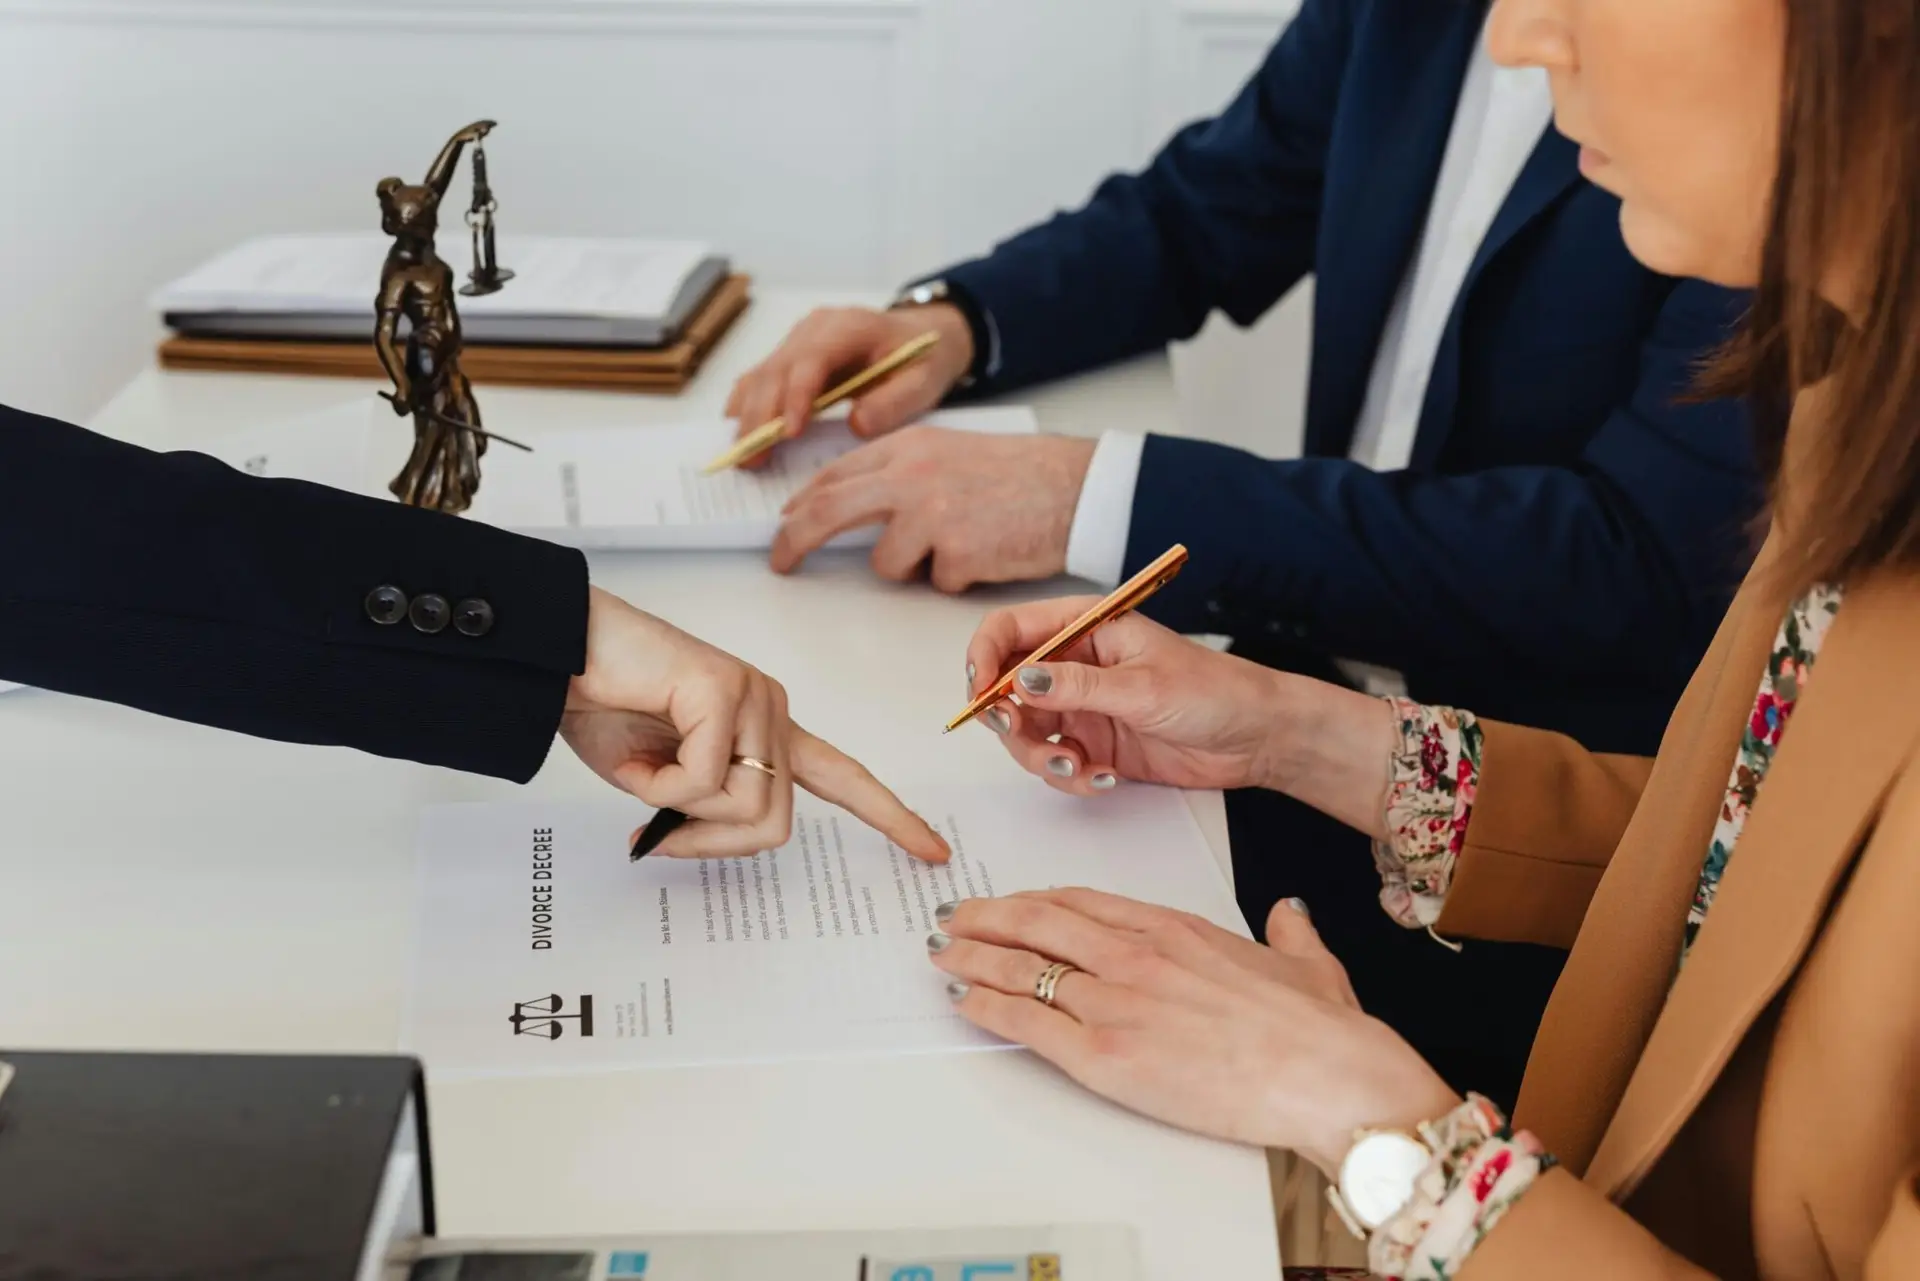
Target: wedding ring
[1049, 980]
[754, 762]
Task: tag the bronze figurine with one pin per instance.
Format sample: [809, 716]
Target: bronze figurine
[443, 472]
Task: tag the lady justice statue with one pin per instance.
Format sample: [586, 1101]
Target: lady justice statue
[443, 472]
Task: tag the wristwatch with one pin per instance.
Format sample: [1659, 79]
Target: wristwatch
[1377, 1178]
[924, 294]
[928, 292]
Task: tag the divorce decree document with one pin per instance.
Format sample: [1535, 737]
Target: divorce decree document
[541, 948]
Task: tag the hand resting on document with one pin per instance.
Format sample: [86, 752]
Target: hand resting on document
[1170, 1015]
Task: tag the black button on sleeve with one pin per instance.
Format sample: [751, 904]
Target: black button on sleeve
[430, 614]
[386, 605]
[473, 618]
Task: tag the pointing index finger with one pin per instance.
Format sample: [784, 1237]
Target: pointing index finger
[838, 779]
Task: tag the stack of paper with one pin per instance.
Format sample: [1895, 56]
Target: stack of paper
[565, 291]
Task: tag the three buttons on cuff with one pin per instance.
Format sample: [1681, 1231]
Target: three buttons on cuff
[429, 612]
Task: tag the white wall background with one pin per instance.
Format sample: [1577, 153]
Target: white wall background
[819, 141]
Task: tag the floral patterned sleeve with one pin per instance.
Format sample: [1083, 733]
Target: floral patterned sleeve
[1481, 1168]
[1435, 772]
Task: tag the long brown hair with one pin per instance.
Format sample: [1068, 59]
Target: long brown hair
[1848, 181]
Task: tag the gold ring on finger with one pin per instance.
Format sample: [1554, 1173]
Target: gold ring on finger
[1048, 983]
[754, 762]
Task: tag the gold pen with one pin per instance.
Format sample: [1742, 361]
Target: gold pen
[1129, 596]
[765, 437]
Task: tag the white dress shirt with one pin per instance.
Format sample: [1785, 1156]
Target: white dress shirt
[1500, 118]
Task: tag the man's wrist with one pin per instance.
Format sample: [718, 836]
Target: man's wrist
[1072, 457]
[1101, 518]
[960, 321]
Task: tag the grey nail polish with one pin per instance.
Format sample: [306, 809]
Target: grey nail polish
[971, 674]
[938, 942]
[998, 721]
[1299, 905]
[945, 911]
[957, 991]
[1060, 766]
[1036, 680]
[1103, 782]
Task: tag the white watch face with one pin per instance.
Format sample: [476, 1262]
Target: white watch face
[1377, 1177]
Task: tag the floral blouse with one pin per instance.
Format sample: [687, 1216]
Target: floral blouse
[1483, 1168]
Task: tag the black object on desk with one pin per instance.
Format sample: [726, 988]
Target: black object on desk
[663, 824]
[123, 1166]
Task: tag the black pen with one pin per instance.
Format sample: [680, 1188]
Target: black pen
[663, 824]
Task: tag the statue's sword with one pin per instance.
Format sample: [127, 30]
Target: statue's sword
[445, 421]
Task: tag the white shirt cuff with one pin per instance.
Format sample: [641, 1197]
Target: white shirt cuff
[1097, 543]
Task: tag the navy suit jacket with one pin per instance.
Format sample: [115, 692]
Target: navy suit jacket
[176, 584]
[1568, 533]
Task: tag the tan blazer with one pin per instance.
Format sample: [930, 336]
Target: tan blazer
[1760, 1117]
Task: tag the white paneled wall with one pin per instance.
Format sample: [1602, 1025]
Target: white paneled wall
[819, 141]
[1245, 387]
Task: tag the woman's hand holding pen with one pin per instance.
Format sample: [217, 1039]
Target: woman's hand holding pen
[1135, 701]
[669, 718]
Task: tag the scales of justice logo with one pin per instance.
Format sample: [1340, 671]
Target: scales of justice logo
[546, 1017]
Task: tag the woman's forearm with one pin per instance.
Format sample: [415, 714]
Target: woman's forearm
[1330, 748]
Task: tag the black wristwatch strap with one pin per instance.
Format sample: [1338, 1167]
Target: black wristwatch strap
[927, 292]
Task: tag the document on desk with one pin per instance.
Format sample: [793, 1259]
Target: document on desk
[647, 487]
[611, 488]
[330, 447]
[540, 948]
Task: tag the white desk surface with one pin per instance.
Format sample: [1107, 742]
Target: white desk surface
[170, 887]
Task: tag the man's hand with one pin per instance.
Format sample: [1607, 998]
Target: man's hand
[985, 509]
[835, 343]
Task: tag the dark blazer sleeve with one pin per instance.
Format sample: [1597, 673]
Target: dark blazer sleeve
[176, 584]
[1622, 561]
[1225, 217]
